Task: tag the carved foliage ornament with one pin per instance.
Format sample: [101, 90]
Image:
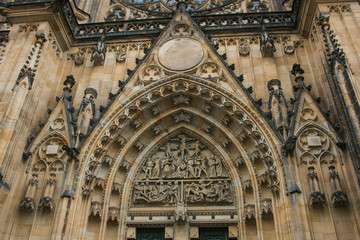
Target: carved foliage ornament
[182, 170]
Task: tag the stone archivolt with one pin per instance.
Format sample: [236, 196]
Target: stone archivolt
[164, 173]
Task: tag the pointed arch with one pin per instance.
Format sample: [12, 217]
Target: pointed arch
[132, 128]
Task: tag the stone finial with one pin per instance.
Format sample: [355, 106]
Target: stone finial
[297, 71]
[69, 81]
[90, 93]
[274, 84]
[181, 4]
[40, 38]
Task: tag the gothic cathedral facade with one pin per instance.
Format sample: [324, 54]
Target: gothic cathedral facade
[179, 119]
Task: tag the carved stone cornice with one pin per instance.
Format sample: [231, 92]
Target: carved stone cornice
[138, 27]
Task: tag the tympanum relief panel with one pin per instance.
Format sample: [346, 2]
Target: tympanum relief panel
[183, 169]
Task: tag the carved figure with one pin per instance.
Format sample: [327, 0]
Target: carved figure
[148, 168]
[182, 173]
[99, 53]
[181, 170]
[197, 148]
[203, 167]
[168, 168]
[212, 166]
[156, 170]
[218, 166]
[183, 147]
[168, 150]
[190, 168]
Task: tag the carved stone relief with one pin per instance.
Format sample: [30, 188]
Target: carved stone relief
[181, 30]
[308, 114]
[314, 141]
[96, 209]
[115, 13]
[99, 53]
[136, 14]
[58, 124]
[314, 146]
[249, 212]
[244, 48]
[28, 28]
[51, 150]
[209, 70]
[266, 207]
[78, 57]
[151, 74]
[183, 169]
[121, 55]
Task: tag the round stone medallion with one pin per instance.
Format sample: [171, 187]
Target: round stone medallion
[181, 54]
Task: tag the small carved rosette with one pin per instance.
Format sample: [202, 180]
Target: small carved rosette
[183, 170]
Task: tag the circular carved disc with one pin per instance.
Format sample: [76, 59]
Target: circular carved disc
[181, 54]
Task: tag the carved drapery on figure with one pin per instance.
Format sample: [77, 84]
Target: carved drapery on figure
[183, 169]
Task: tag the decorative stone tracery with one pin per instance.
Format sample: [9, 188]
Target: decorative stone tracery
[314, 146]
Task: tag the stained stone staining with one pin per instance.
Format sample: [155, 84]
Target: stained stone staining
[183, 169]
[181, 54]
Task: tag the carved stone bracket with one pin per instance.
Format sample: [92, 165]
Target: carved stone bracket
[317, 199]
[27, 203]
[114, 214]
[249, 212]
[78, 57]
[96, 209]
[46, 203]
[339, 198]
[266, 208]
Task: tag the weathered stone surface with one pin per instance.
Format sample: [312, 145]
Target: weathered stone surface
[179, 125]
[181, 54]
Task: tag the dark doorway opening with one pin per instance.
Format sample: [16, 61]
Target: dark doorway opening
[213, 234]
[150, 233]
